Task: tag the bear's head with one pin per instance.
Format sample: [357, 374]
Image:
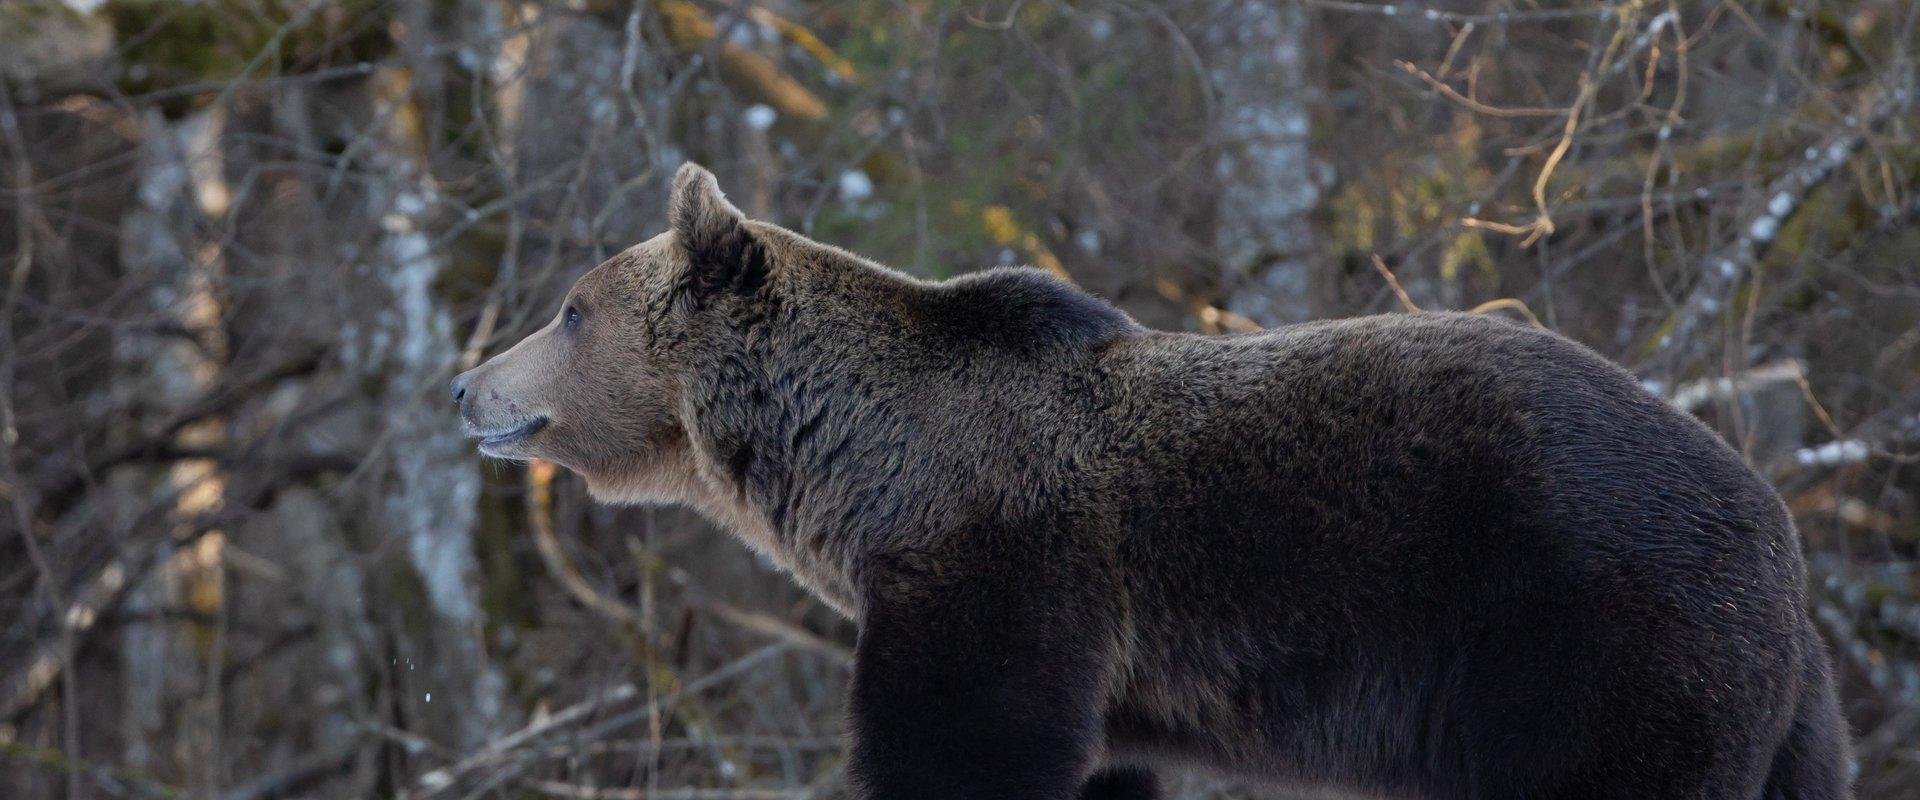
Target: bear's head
[728, 361]
[602, 389]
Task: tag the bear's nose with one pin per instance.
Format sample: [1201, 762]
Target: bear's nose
[459, 385]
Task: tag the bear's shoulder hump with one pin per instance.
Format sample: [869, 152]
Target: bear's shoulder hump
[1028, 308]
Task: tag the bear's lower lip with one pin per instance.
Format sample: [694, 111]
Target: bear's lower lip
[509, 437]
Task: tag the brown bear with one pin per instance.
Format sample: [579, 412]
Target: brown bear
[1420, 555]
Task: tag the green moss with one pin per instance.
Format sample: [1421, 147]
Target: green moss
[170, 45]
[1468, 249]
[21, 21]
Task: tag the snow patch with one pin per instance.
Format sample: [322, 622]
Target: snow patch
[1832, 454]
[855, 186]
[760, 116]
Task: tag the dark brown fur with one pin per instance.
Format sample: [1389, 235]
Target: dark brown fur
[1430, 555]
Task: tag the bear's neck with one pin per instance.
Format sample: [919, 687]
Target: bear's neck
[798, 433]
[872, 407]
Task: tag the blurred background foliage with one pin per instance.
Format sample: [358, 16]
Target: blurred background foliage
[247, 553]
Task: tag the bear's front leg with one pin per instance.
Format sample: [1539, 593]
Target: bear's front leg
[980, 677]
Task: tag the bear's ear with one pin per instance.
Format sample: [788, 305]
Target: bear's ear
[721, 250]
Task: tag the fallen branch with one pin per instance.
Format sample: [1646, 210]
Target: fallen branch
[498, 749]
[574, 792]
[1436, 15]
[505, 754]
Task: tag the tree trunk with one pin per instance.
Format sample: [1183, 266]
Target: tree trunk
[1265, 169]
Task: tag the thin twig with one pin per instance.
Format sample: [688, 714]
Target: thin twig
[1785, 196]
[1394, 283]
[503, 754]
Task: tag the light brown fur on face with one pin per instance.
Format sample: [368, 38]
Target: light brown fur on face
[590, 391]
[606, 398]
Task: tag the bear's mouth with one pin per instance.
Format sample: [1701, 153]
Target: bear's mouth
[492, 441]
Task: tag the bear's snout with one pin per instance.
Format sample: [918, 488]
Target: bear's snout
[464, 398]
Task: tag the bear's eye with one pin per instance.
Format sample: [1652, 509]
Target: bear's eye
[570, 319]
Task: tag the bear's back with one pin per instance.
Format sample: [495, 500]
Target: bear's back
[1373, 499]
[1453, 423]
